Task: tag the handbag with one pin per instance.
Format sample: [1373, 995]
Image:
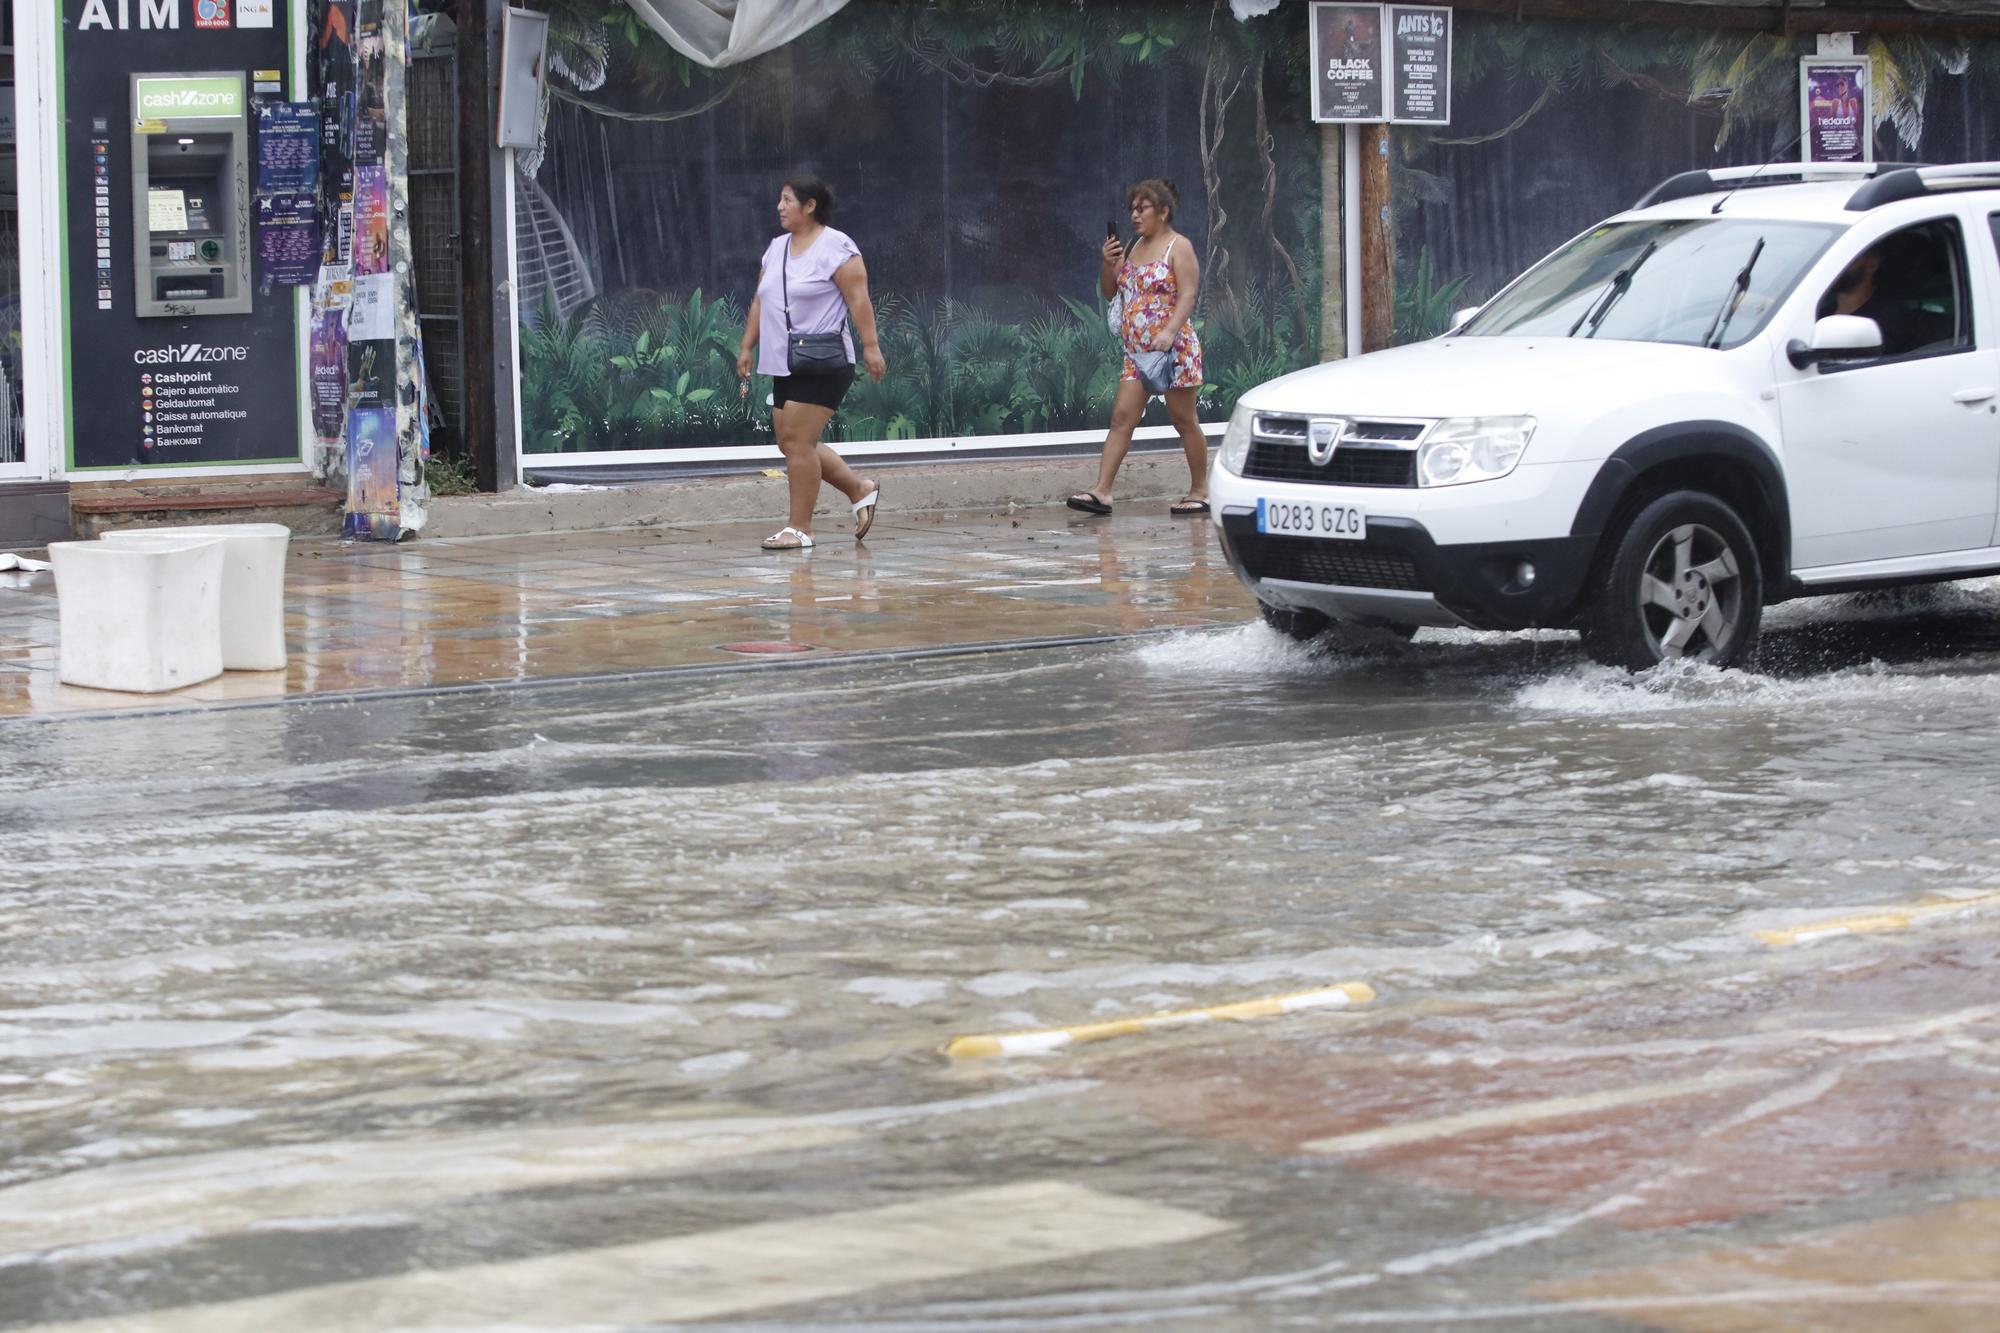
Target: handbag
[1156, 369]
[808, 353]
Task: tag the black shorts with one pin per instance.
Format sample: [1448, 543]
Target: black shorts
[820, 390]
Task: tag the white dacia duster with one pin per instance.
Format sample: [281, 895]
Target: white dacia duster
[1755, 385]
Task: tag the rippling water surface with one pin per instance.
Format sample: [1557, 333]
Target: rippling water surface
[317, 995]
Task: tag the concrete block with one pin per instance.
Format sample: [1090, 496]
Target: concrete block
[142, 617]
[253, 587]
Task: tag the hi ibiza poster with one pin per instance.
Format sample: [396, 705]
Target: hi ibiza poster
[1836, 109]
[1349, 81]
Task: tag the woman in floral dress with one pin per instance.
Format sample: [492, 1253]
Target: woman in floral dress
[1158, 281]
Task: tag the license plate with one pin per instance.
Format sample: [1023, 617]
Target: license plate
[1312, 519]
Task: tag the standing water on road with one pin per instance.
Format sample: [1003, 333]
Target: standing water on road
[622, 1005]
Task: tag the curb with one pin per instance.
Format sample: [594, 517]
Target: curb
[964, 486]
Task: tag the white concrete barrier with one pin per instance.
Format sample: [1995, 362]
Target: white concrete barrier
[142, 617]
[253, 587]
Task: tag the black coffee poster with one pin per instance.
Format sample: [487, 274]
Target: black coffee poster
[1348, 76]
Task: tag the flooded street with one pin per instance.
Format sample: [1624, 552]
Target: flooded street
[623, 1005]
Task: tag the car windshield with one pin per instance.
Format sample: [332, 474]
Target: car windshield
[1704, 282]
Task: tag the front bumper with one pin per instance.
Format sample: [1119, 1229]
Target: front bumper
[1401, 576]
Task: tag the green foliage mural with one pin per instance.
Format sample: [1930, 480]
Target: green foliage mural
[645, 370]
[981, 339]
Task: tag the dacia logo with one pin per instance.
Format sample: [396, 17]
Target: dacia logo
[1323, 436]
[183, 354]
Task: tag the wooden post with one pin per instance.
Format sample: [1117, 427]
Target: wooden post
[1378, 254]
[1332, 254]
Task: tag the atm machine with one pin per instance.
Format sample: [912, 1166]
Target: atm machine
[190, 194]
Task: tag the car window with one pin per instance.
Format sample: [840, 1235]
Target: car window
[1913, 284]
[1700, 281]
[1993, 221]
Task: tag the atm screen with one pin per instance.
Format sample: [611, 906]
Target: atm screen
[173, 208]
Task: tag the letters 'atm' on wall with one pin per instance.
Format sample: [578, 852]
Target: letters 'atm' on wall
[190, 195]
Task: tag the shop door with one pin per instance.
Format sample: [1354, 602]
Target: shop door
[14, 461]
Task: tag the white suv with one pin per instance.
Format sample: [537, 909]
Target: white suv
[1752, 386]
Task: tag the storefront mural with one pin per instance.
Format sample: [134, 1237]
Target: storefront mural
[978, 151]
[1557, 124]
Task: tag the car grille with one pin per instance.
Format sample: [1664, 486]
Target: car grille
[1271, 461]
[1374, 453]
[1321, 560]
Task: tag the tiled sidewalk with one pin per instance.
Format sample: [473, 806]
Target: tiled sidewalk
[431, 613]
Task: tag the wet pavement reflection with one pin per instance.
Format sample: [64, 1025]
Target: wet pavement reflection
[621, 1004]
[366, 617]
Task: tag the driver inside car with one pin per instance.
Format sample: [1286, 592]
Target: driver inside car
[1868, 286]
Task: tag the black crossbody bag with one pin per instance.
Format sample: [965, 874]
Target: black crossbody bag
[808, 353]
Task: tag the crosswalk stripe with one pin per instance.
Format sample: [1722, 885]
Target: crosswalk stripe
[176, 1198]
[1521, 1113]
[715, 1273]
[216, 1193]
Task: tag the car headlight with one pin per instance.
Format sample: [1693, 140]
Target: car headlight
[1462, 449]
[1236, 441]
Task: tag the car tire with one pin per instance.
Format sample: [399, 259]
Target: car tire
[1682, 582]
[1297, 623]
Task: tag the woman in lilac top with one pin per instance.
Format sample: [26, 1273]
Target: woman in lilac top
[820, 270]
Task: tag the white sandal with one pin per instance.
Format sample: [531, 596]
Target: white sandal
[788, 539]
[864, 512]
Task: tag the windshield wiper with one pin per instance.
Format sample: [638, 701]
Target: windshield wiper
[1620, 282]
[1730, 303]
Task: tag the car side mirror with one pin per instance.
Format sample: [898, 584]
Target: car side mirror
[1834, 338]
[1460, 318]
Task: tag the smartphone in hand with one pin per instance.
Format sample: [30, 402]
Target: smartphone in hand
[1110, 231]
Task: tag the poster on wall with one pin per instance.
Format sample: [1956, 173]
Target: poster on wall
[1836, 109]
[371, 124]
[288, 147]
[371, 220]
[1349, 78]
[328, 360]
[287, 229]
[371, 463]
[1419, 64]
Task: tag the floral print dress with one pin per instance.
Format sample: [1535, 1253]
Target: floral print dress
[1150, 291]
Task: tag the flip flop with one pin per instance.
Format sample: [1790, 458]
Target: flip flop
[864, 512]
[1183, 508]
[788, 539]
[1087, 502]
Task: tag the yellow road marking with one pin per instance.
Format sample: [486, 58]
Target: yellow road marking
[710, 1274]
[1049, 1039]
[1871, 923]
[1522, 1113]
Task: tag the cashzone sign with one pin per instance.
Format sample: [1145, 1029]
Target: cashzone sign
[192, 98]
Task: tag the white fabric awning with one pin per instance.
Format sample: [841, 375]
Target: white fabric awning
[728, 32]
